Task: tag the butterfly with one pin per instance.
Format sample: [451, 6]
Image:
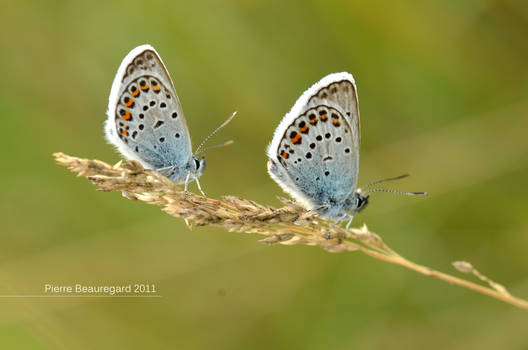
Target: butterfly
[314, 154]
[146, 122]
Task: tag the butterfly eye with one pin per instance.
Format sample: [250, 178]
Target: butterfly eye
[197, 163]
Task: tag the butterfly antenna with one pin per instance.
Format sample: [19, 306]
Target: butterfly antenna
[393, 191]
[386, 180]
[214, 132]
[227, 143]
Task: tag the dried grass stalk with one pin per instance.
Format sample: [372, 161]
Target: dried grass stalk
[288, 225]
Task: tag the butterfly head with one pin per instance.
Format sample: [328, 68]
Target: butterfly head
[197, 166]
[360, 201]
[361, 196]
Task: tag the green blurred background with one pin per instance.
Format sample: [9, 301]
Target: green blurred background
[443, 91]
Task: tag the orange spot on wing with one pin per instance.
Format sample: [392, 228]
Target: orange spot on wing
[130, 102]
[126, 116]
[285, 155]
[304, 129]
[296, 140]
[336, 122]
[144, 87]
[125, 132]
[313, 121]
[324, 118]
[156, 88]
[135, 93]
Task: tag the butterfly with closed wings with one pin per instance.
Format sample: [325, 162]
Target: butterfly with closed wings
[146, 122]
[314, 154]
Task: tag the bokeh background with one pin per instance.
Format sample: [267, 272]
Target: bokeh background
[443, 92]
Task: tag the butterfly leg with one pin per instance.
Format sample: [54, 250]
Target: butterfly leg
[310, 211]
[328, 234]
[349, 221]
[200, 187]
[187, 182]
